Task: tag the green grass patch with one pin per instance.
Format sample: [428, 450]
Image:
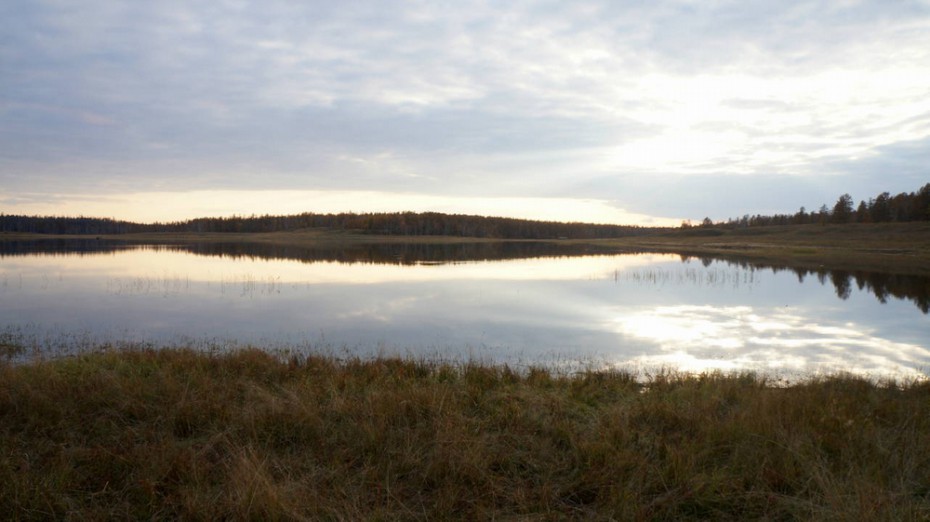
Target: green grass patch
[168, 434]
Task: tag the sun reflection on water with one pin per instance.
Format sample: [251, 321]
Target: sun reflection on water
[700, 338]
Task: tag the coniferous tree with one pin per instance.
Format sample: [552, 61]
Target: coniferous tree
[843, 209]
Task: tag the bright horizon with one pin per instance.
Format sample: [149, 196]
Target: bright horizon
[603, 112]
[182, 206]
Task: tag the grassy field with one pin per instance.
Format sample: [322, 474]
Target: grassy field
[177, 434]
[891, 247]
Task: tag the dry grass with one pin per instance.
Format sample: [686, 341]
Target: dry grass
[900, 248]
[176, 434]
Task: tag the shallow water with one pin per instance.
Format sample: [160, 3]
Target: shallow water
[530, 304]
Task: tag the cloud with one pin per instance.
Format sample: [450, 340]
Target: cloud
[527, 99]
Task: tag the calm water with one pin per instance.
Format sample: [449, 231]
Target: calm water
[524, 304]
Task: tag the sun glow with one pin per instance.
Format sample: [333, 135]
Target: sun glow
[147, 207]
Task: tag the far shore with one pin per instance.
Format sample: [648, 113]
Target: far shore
[893, 247]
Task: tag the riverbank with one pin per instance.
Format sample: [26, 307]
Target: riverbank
[177, 434]
[885, 247]
[902, 248]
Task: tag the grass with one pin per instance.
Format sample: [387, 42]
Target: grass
[900, 248]
[167, 434]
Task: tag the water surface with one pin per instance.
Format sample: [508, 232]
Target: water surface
[520, 304]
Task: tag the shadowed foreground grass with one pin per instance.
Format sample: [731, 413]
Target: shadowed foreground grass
[176, 434]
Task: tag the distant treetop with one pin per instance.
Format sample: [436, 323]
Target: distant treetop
[913, 206]
[400, 223]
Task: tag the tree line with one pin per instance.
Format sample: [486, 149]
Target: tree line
[398, 223]
[913, 206]
[883, 208]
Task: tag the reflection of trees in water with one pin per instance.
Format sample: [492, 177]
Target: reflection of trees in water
[62, 247]
[370, 253]
[392, 253]
[881, 284]
[843, 283]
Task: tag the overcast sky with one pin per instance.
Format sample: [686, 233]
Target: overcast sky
[644, 112]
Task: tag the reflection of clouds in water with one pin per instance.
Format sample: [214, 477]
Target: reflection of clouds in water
[156, 266]
[697, 338]
[384, 311]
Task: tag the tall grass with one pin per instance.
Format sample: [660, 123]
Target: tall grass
[167, 434]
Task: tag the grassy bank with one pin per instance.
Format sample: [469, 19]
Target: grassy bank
[902, 248]
[169, 434]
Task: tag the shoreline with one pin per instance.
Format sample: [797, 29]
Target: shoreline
[902, 248]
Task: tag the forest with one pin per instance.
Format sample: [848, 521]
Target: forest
[398, 224]
[883, 208]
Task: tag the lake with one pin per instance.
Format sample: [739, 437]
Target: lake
[514, 303]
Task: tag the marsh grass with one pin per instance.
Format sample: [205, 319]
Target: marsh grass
[9, 350]
[167, 434]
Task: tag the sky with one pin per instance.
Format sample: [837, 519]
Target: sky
[631, 112]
